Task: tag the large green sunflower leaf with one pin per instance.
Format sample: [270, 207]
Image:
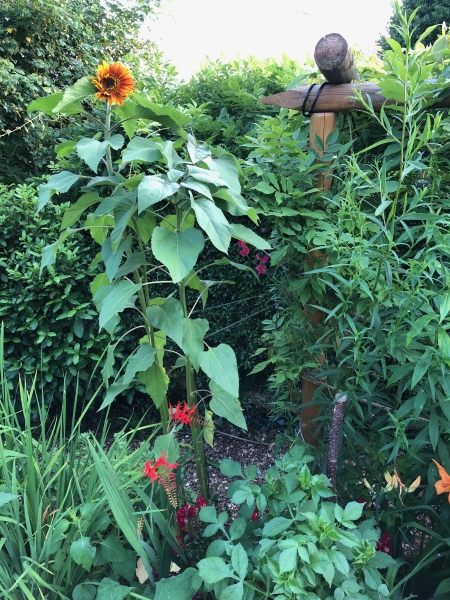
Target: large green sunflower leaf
[73, 95]
[220, 365]
[92, 151]
[141, 149]
[177, 250]
[227, 406]
[61, 182]
[212, 220]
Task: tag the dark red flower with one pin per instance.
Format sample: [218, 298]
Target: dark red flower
[255, 516]
[362, 500]
[261, 269]
[263, 259]
[201, 502]
[191, 512]
[384, 544]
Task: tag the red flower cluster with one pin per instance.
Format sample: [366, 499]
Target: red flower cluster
[255, 516]
[189, 511]
[244, 248]
[384, 544]
[162, 472]
[362, 500]
[183, 414]
[261, 268]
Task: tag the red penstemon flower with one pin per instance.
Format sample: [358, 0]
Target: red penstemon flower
[263, 259]
[261, 269]
[161, 471]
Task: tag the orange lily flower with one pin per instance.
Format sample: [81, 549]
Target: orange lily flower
[442, 486]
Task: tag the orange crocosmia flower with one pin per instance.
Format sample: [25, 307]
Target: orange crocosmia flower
[114, 83]
[442, 486]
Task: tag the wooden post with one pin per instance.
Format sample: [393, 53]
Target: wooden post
[321, 125]
[335, 59]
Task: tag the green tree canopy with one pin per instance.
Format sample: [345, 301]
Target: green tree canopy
[430, 12]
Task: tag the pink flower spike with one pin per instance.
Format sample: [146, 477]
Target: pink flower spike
[263, 259]
[245, 250]
[261, 269]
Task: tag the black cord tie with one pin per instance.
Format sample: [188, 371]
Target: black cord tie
[310, 111]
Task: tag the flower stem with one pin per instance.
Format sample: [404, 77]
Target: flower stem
[107, 134]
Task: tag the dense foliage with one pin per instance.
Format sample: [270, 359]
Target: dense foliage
[41, 50]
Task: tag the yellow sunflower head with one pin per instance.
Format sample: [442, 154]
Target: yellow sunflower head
[114, 83]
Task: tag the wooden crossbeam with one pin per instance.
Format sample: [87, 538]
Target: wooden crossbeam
[336, 98]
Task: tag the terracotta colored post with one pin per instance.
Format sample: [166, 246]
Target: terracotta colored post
[321, 124]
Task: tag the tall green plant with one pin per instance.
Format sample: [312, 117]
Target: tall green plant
[147, 202]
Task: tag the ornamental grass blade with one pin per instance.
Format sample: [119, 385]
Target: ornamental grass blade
[116, 496]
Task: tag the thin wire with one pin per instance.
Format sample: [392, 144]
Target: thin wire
[237, 323]
[230, 303]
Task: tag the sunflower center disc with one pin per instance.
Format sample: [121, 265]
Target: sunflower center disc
[109, 83]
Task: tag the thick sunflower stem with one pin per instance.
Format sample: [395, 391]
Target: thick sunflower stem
[107, 135]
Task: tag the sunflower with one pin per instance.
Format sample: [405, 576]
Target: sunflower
[114, 83]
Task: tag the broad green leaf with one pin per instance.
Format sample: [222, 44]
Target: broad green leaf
[92, 151]
[220, 365]
[321, 563]
[208, 514]
[145, 225]
[65, 148]
[439, 46]
[237, 529]
[288, 560]
[82, 552]
[168, 444]
[119, 298]
[264, 187]
[156, 383]
[391, 88]
[123, 213]
[226, 405]
[276, 526]
[247, 235]
[168, 317]
[212, 220]
[443, 588]
[49, 252]
[230, 468]
[196, 186]
[140, 361]
[214, 569]
[196, 151]
[181, 587]
[381, 561]
[141, 149]
[195, 283]
[226, 166]
[206, 176]
[112, 550]
[84, 591]
[73, 95]
[353, 511]
[60, 183]
[233, 592]
[46, 104]
[177, 250]
[113, 257]
[166, 115]
[239, 560]
[74, 211]
[153, 189]
[444, 307]
[194, 331]
[111, 590]
[112, 392]
[133, 262]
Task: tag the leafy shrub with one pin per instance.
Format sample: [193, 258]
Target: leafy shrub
[290, 539]
[49, 322]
